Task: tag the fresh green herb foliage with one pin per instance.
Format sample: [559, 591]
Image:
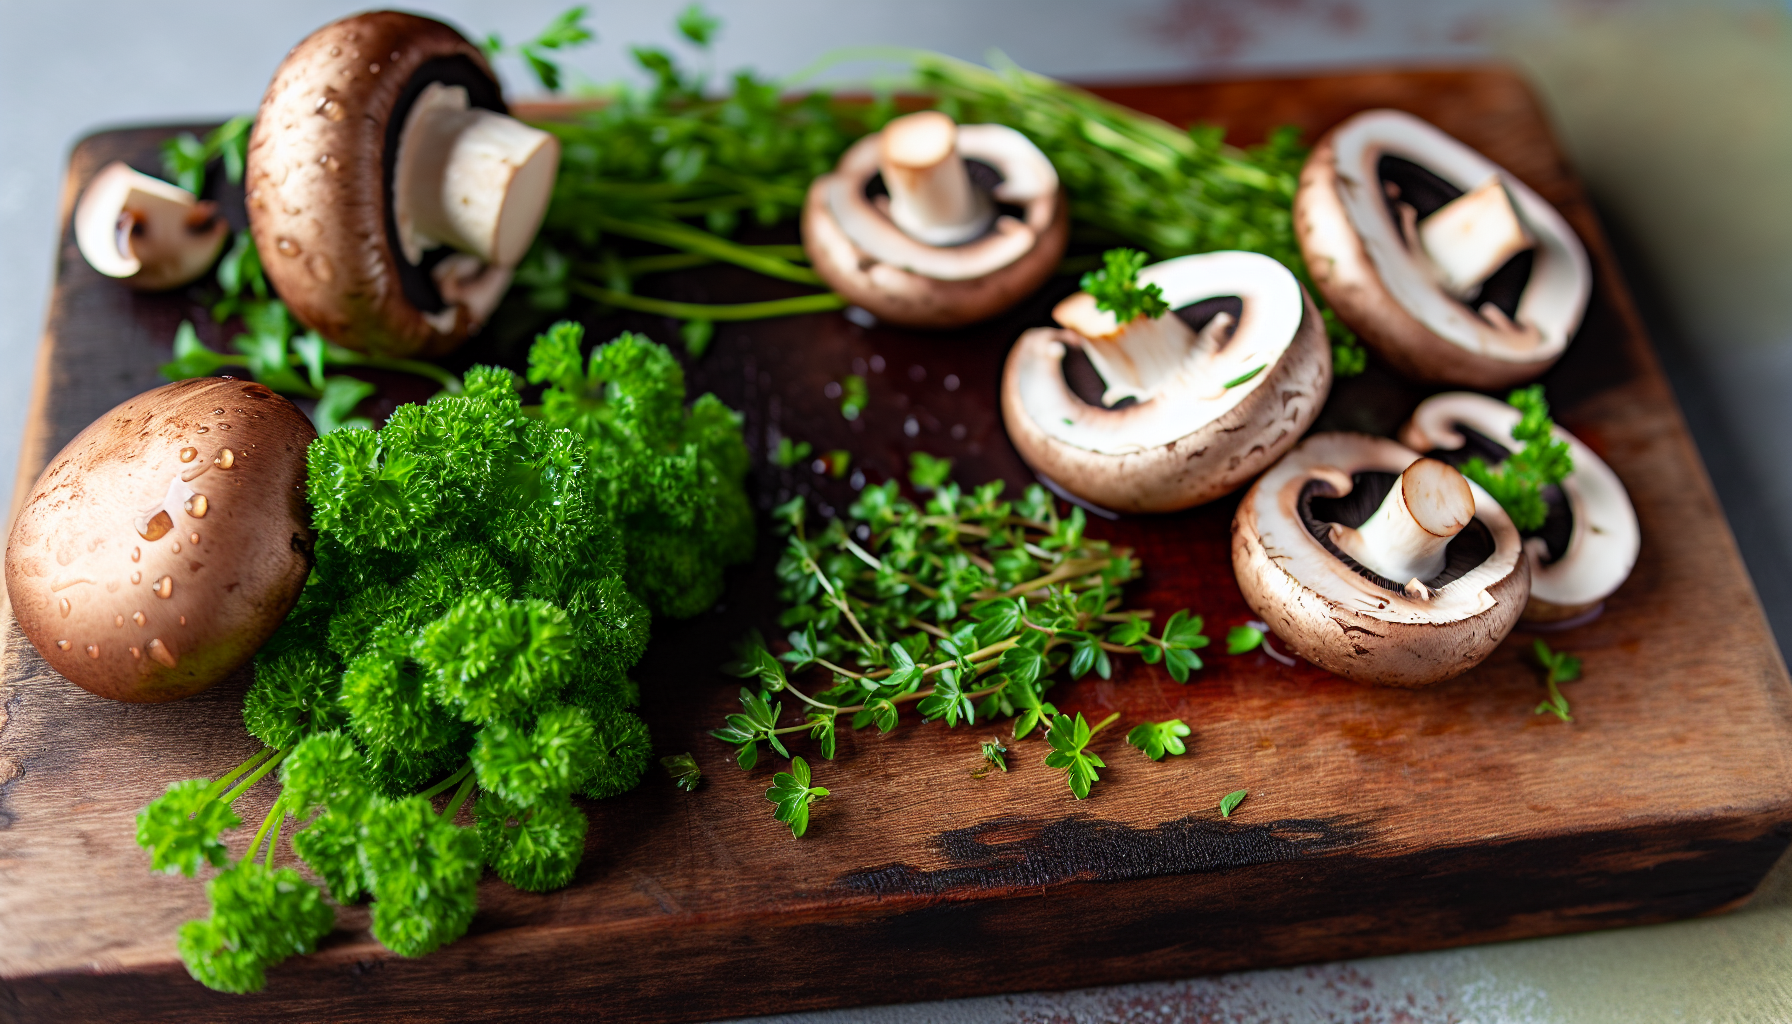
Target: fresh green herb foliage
[469, 620]
[927, 473]
[185, 157]
[854, 396]
[274, 353]
[1116, 289]
[1155, 739]
[1560, 667]
[698, 26]
[564, 32]
[1069, 738]
[1518, 482]
[965, 607]
[993, 759]
[1230, 802]
[792, 794]
[791, 453]
[1243, 639]
[684, 771]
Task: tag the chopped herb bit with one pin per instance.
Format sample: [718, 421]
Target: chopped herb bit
[792, 794]
[684, 771]
[835, 463]
[1245, 376]
[1518, 482]
[1116, 287]
[1156, 739]
[1243, 639]
[1069, 739]
[1561, 667]
[1230, 802]
[992, 751]
[791, 453]
[853, 396]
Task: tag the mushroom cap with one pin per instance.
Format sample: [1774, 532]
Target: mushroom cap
[104, 572]
[1344, 622]
[861, 253]
[1361, 264]
[1193, 439]
[169, 239]
[319, 180]
[1605, 539]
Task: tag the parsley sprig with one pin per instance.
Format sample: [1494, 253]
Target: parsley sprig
[1116, 289]
[962, 607]
[1518, 482]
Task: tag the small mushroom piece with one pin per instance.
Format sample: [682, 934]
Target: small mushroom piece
[934, 248]
[1314, 541]
[167, 541]
[1588, 545]
[1431, 272]
[389, 192]
[145, 231]
[1208, 409]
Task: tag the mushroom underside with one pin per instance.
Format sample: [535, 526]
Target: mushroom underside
[1320, 507]
[1558, 525]
[1426, 193]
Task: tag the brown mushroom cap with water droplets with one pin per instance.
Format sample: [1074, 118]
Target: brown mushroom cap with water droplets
[318, 169]
[167, 541]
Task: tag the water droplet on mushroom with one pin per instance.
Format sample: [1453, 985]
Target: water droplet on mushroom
[373, 69]
[188, 454]
[137, 554]
[329, 163]
[65, 607]
[223, 426]
[204, 430]
[154, 527]
[193, 538]
[226, 459]
[139, 618]
[135, 653]
[160, 652]
[217, 412]
[335, 51]
[165, 587]
[183, 620]
[287, 246]
[196, 506]
[176, 547]
[118, 621]
[93, 650]
[330, 109]
[64, 644]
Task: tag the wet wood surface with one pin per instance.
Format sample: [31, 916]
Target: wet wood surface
[1378, 821]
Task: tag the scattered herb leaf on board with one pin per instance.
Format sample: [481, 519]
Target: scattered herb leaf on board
[792, 794]
[1560, 667]
[1230, 802]
[1243, 639]
[1156, 739]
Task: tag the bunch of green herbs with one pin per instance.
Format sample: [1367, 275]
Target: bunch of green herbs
[1518, 482]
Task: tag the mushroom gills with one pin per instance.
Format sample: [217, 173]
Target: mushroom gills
[1488, 275]
[932, 197]
[469, 178]
[1558, 523]
[1372, 527]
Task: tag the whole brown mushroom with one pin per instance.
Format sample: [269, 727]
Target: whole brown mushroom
[390, 194]
[1376, 564]
[934, 250]
[166, 542]
[1413, 269]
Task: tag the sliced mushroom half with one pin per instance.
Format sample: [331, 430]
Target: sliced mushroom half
[1588, 545]
[1451, 268]
[1377, 564]
[390, 194]
[1186, 415]
[933, 224]
[148, 233]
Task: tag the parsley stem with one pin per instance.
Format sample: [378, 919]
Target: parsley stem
[676, 235]
[460, 796]
[224, 783]
[278, 810]
[821, 302]
[274, 843]
[417, 367]
[461, 773]
[266, 767]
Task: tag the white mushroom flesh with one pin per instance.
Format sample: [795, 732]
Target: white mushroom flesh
[1028, 181]
[469, 178]
[153, 234]
[1550, 309]
[932, 197]
[1334, 459]
[1603, 546]
[1473, 235]
[1180, 378]
[1405, 538]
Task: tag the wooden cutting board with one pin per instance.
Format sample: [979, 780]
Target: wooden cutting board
[1378, 821]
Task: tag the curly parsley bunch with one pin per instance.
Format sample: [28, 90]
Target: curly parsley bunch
[470, 620]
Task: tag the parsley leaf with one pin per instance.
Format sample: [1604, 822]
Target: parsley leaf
[1116, 288]
[180, 828]
[1155, 739]
[1517, 483]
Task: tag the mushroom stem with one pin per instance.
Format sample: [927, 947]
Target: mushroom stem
[932, 198]
[1405, 538]
[1471, 236]
[469, 178]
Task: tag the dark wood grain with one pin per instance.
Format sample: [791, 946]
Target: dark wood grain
[1379, 821]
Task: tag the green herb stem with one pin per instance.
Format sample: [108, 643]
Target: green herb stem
[460, 796]
[821, 303]
[681, 236]
[443, 785]
[224, 783]
[275, 812]
[269, 765]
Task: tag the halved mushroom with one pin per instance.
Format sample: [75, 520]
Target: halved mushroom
[1208, 409]
[1588, 545]
[145, 231]
[389, 193]
[1377, 564]
[1449, 267]
[911, 224]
